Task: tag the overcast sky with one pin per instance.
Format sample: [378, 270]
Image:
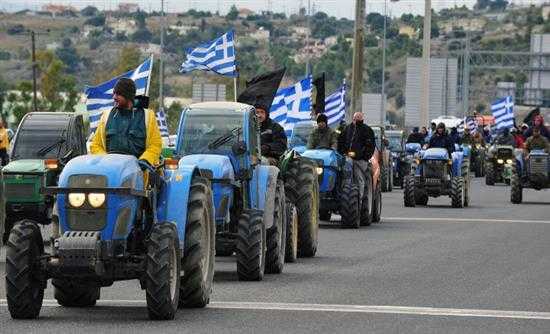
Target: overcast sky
[339, 8]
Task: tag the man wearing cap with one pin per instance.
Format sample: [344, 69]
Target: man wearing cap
[127, 128]
[416, 137]
[322, 136]
[272, 136]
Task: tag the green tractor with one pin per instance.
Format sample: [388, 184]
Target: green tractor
[43, 144]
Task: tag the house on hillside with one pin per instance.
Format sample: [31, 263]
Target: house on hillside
[330, 41]
[244, 13]
[127, 7]
[261, 35]
[58, 10]
[122, 25]
[408, 30]
[182, 29]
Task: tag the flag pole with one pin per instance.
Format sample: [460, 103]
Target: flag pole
[235, 87]
[149, 78]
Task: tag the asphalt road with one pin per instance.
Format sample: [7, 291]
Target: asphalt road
[482, 269]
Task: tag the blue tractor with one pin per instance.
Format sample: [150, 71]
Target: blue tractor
[115, 223]
[249, 197]
[530, 171]
[437, 175]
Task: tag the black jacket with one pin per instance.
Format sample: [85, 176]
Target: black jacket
[416, 137]
[442, 141]
[273, 139]
[360, 140]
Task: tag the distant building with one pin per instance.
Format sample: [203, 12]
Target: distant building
[408, 30]
[57, 9]
[150, 49]
[182, 29]
[301, 32]
[244, 13]
[127, 7]
[261, 35]
[121, 25]
[330, 41]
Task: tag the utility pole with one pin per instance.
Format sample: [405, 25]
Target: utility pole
[382, 90]
[425, 98]
[466, 77]
[307, 35]
[161, 58]
[34, 98]
[357, 66]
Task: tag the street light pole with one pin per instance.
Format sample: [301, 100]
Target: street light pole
[34, 98]
[357, 64]
[382, 94]
[425, 88]
[161, 59]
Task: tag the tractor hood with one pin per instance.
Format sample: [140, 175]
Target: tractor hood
[25, 166]
[329, 157]
[118, 168]
[435, 153]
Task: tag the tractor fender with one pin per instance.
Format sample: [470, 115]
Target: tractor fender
[173, 198]
[457, 158]
[265, 183]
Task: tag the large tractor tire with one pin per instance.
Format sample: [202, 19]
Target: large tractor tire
[408, 193]
[384, 178]
[366, 203]
[302, 189]
[457, 192]
[291, 249]
[251, 246]
[71, 294]
[465, 172]
[8, 225]
[198, 254]
[349, 206]
[516, 190]
[377, 204]
[479, 166]
[276, 235]
[490, 174]
[24, 285]
[390, 180]
[325, 215]
[162, 283]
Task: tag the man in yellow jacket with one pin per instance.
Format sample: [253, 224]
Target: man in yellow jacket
[4, 143]
[128, 129]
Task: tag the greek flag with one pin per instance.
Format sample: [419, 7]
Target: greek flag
[469, 122]
[217, 56]
[503, 111]
[292, 105]
[335, 106]
[100, 98]
[163, 125]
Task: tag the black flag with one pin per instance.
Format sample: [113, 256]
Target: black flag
[261, 89]
[319, 83]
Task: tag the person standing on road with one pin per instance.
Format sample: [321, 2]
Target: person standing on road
[359, 144]
[4, 144]
[441, 139]
[322, 136]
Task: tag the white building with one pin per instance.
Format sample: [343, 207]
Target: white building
[261, 35]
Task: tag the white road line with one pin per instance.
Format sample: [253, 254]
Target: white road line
[372, 309]
[465, 220]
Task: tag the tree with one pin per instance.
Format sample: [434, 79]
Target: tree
[96, 21]
[51, 78]
[233, 13]
[68, 55]
[89, 11]
[3, 95]
[128, 59]
[173, 116]
[142, 36]
[68, 86]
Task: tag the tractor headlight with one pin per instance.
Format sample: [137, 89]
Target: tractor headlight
[509, 161]
[77, 199]
[500, 161]
[96, 200]
[319, 170]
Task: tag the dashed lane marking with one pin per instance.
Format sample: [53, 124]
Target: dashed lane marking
[465, 220]
[372, 309]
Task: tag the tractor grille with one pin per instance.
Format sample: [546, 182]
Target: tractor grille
[19, 190]
[87, 220]
[434, 169]
[538, 165]
[505, 153]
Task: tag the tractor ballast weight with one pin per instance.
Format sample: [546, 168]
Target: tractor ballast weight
[529, 171]
[437, 175]
[249, 197]
[112, 227]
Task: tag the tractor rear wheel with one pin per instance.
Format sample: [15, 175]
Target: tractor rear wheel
[325, 215]
[276, 235]
[349, 206]
[408, 193]
[251, 246]
[302, 189]
[71, 294]
[489, 174]
[198, 254]
[291, 249]
[24, 286]
[390, 180]
[377, 205]
[457, 192]
[366, 203]
[465, 172]
[516, 190]
[384, 177]
[162, 287]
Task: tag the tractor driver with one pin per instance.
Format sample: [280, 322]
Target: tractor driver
[322, 136]
[537, 142]
[272, 136]
[441, 139]
[128, 129]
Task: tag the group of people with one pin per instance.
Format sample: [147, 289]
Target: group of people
[534, 137]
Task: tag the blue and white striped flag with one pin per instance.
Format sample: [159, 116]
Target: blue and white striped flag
[503, 111]
[163, 125]
[292, 105]
[471, 123]
[217, 56]
[335, 106]
[100, 98]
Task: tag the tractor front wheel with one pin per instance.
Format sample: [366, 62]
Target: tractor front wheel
[377, 205]
[490, 174]
[251, 246]
[276, 235]
[291, 250]
[457, 192]
[408, 192]
[349, 206]
[198, 254]
[163, 272]
[516, 190]
[24, 286]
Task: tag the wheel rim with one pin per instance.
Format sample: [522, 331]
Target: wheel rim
[174, 275]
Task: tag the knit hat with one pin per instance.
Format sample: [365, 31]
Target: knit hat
[125, 87]
[322, 118]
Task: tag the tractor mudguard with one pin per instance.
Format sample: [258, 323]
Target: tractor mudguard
[173, 198]
[265, 180]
